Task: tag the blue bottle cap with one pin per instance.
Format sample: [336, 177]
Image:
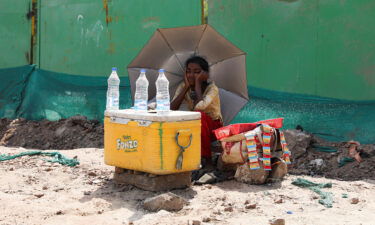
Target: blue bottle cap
[161, 71]
[114, 68]
[143, 70]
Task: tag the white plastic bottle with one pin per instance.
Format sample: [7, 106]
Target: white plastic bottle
[113, 92]
[162, 93]
[141, 92]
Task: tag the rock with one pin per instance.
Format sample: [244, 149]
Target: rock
[155, 183]
[317, 162]
[87, 192]
[245, 175]
[91, 173]
[228, 209]
[196, 222]
[39, 195]
[59, 212]
[97, 181]
[279, 201]
[45, 187]
[279, 170]
[167, 201]
[11, 168]
[277, 222]
[247, 202]
[354, 201]
[206, 179]
[298, 141]
[206, 219]
[252, 206]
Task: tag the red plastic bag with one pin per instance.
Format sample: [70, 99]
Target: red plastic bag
[238, 128]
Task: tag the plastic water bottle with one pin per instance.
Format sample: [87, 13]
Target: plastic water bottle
[162, 93]
[113, 93]
[141, 92]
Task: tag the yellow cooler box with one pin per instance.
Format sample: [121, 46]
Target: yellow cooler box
[152, 142]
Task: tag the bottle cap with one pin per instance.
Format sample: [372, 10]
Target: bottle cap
[161, 71]
[143, 70]
[114, 68]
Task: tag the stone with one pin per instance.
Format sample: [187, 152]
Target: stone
[154, 183]
[39, 195]
[279, 170]
[297, 141]
[206, 179]
[119, 170]
[245, 175]
[87, 192]
[97, 181]
[206, 219]
[196, 222]
[317, 162]
[279, 201]
[168, 201]
[277, 222]
[354, 201]
[92, 173]
[252, 206]
[228, 209]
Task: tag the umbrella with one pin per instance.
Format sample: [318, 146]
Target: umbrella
[169, 48]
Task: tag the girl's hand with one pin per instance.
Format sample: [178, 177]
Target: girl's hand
[203, 76]
[186, 81]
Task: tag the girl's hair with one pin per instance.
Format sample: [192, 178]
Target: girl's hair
[200, 61]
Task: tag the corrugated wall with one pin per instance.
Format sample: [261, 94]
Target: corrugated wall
[85, 37]
[88, 37]
[15, 33]
[322, 48]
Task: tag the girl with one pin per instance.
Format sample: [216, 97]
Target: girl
[197, 94]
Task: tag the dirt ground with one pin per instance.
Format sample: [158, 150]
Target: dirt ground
[75, 132]
[33, 191]
[78, 132]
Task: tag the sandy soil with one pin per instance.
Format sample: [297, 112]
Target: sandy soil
[33, 191]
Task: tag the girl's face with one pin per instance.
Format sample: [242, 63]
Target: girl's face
[192, 71]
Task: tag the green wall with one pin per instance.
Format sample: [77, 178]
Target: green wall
[322, 48]
[15, 33]
[88, 37]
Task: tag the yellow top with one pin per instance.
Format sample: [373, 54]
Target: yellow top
[210, 104]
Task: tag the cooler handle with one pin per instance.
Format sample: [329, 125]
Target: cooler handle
[182, 149]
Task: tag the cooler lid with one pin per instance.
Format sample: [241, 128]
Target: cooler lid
[171, 116]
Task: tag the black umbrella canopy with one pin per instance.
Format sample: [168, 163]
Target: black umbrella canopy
[169, 48]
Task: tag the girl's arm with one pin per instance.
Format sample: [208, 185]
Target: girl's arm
[198, 86]
[176, 103]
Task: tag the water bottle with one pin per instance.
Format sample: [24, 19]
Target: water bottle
[141, 92]
[162, 93]
[113, 93]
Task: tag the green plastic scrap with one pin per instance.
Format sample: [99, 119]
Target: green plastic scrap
[344, 161]
[345, 195]
[57, 157]
[327, 149]
[325, 197]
